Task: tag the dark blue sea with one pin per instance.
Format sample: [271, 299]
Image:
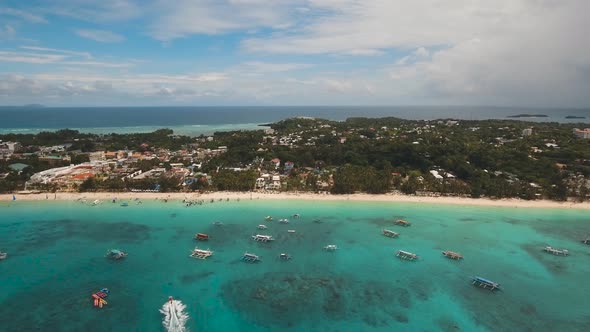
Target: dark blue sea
[205, 120]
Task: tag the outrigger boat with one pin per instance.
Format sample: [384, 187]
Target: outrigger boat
[284, 256]
[3, 255]
[291, 231]
[217, 223]
[262, 227]
[389, 233]
[268, 218]
[262, 238]
[406, 255]
[586, 241]
[556, 252]
[452, 255]
[201, 253]
[96, 202]
[296, 215]
[284, 221]
[201, 237]
[402, 222]
[99, 297]
[331, 247]
[317, 221]
[250, 258]
[485, 283]
[116, 254]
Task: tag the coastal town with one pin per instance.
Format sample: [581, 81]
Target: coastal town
[492, 158]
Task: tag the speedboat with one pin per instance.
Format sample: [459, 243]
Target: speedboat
[116, 254]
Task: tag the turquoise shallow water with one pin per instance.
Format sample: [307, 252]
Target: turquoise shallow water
[56, 259]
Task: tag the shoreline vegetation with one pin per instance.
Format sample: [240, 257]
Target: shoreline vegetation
[108, 197]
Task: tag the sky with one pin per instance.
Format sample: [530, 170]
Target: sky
[531, 53]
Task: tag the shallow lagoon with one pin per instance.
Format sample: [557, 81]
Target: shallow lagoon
[56, 260]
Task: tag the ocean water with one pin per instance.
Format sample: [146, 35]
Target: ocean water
[206, 120]
[56, 260]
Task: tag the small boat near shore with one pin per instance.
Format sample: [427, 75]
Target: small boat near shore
[406, 255]
[201, 253]
[262, 238]
[3, 255]
[389, 233]
[452, 255]
[331, 247]
[262, 227]
[201, 237]
[124, 204]
[401, 222]
[555, 251]
[268, 218]
[96, 202]
[99, 297]
[485, 283]
[283, 221]
[116, 254]
[250, 258]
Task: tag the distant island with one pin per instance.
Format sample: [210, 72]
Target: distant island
[528, 116]
[575, 117]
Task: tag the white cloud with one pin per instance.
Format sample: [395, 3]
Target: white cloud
[34, 58]
[52, 56]
[268, 67]
[102, 36]
[27, 16]
[55, 50]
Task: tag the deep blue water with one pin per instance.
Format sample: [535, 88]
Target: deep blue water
[197, 120]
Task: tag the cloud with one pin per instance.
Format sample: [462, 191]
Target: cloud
[267, 67]
[27, 16]
[33, 58]
[183, 18]
[98, 11]
[102, 36]
[7, 32]
[55, 50]
[44, 55]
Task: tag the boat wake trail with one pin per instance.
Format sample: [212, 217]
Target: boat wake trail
[174, 316]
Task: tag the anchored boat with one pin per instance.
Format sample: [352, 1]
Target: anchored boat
[262, 238]
[217, 223]
[556, 252]
[268, 218]
[284, 221]
[201, 253]
[262, 227]
[250, 258]
[586, 241]
[116, 254]
[284, 256]
[389, 233]
[452, 255]
[485, 283]
[401, 222]
[331, 247]
[99, 297]
[3, 255]
[296, 215]
[201, 237]
[406, 255]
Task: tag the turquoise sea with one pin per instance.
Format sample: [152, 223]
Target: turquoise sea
[56, 260]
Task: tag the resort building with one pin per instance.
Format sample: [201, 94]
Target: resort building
[582, 133]
[527, 132]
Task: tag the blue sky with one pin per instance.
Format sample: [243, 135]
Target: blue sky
[295, 52]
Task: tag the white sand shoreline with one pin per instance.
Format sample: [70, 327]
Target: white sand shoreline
[392, 198]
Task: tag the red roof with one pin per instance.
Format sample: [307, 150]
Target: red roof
[83, 176]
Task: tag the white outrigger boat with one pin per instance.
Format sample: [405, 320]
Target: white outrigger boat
[268, 218]
[250, 258]
[262, 227]
[96, 202]
[262, 238]
[201, 253]
[389, 233]
[556, 252]
[406, 255]
[331, 247]
[3, 255]
[283, 221]
[284, 256]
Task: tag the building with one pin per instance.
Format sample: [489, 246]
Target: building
[582, 133]
[527, 132]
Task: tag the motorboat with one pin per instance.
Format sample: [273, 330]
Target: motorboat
[331, 247]
[262, 238]
[116, 254]
[201, 237]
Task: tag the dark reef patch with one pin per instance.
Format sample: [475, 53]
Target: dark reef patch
[281, 299]
[47, 233]
[191, 278]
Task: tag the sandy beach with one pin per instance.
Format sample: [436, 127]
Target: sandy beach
[107, 196]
